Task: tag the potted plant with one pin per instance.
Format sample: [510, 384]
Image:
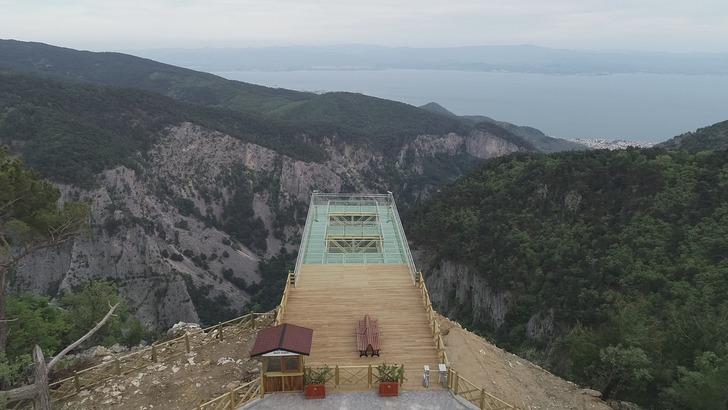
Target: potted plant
[390, 377]
[315, 381]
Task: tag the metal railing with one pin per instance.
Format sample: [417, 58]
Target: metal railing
[403, 238]
[304, 238]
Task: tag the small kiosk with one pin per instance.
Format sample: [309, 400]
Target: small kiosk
[282, 349]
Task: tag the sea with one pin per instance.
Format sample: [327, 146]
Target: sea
[639, 106]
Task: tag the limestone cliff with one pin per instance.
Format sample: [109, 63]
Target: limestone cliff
[456, 290]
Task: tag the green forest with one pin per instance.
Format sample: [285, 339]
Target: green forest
[53, 325]
[628, 248]
[70, 132]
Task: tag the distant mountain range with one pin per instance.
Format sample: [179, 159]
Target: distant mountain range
[520, 58]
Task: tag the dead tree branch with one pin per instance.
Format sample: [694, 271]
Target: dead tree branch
[38, 391]
[90, 333]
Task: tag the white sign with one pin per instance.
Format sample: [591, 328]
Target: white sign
[280, 353]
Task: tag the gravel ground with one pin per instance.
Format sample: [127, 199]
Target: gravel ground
[419, 400]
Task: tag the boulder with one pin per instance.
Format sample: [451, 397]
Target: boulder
[180, 328]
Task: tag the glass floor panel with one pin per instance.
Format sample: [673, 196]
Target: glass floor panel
[320, 227]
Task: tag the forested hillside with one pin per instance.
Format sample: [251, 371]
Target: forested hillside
[351, 115]
[70, 132]
[123, 70]
[611, 268]
[706, 138]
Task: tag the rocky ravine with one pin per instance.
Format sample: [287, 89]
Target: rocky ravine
[163, 232]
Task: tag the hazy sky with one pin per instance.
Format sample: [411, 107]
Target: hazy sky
[664, 25]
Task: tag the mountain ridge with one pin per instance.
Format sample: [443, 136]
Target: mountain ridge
[536, 138]
[712, 137]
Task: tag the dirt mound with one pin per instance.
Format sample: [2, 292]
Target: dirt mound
[510, 377]
[180, 383]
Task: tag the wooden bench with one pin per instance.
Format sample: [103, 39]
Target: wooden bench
[367, 336]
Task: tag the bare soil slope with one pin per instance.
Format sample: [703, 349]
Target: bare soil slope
[181, 383]
[510, 377]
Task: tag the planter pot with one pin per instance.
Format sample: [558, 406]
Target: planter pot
[388, 389]
[315, 391]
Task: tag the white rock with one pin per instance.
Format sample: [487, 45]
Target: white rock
[224, 360]
[591, 392]
[180, 328]
[117, 348]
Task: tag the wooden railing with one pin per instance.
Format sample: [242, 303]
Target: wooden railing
[469, 391]
[235, 398]
[459, 385]
[341, 378]
[357, 377]
[281, 310]
[159, 352]
[431, 316]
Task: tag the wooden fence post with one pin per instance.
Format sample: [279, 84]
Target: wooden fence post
[369, 377]
[252, 321]
[76, 382]
[482, 398]
[455, 378]
[154, 353]
[232, 399]
[219, 331]
[336, 376]
[42, 399]
[187, 342]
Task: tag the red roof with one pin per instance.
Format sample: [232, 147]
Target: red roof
[291, 338]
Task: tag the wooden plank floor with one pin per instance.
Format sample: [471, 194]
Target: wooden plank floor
[331, 298]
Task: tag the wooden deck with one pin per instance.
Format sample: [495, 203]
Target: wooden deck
[331, 298]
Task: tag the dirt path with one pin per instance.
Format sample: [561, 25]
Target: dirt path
[510, 377]
[181, 383]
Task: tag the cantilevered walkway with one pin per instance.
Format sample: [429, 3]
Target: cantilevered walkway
[354, 260]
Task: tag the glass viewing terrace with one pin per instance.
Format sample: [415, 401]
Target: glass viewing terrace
[353, 229]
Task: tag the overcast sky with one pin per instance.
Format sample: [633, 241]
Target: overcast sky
[660, 25]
